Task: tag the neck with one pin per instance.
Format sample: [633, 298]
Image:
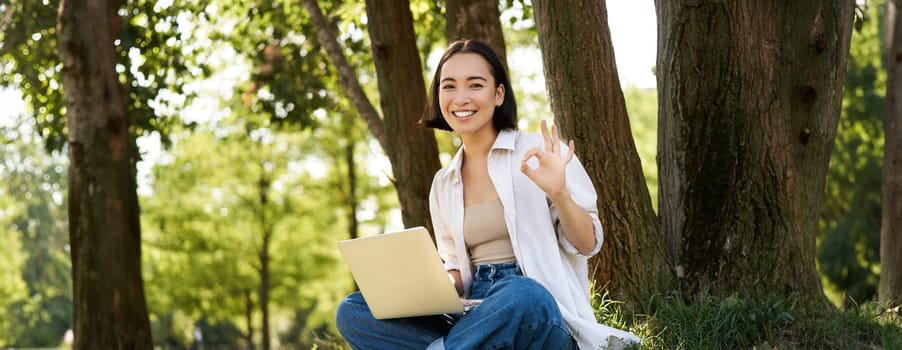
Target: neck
[478, 145]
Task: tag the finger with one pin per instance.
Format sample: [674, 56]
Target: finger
[569, 152]
[549, 146]
[524, 165]
[533, 152]
[525, 169]
[555, 138]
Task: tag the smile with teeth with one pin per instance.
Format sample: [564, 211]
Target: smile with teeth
[463, 114]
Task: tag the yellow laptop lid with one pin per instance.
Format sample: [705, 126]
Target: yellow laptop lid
[400, 274]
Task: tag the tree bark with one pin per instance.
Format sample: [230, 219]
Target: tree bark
[587, 100]
[411, 149]
[476, 19]
[890, 288]
[105, 234]
[750, 96]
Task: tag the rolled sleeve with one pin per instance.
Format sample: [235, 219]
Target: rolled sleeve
[583, 192]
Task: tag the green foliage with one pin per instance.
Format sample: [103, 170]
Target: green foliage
[153, 57]
[35, 284]
[849, 236]
[642, 107]
[518, 17]
[204, 222]
[289, 77]
[672, 322]
[30, 63]
[429, 25]
[195, 263]
[157, 58]
[292, 77]
[13, 290]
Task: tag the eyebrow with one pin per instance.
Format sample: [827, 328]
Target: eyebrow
[475, 77]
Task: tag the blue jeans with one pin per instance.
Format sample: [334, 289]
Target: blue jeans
[516, 313]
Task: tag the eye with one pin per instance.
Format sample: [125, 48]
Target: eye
[476, 86]
[447, 87]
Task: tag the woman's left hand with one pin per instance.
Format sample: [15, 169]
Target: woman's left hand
[550, 175]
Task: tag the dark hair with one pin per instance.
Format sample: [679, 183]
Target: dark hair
[505, 116]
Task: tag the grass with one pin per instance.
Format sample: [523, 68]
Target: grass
[670, 322]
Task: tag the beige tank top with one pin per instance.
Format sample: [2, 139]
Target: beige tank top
[486, 235]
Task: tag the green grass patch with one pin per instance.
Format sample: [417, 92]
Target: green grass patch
[869, 326]
[670, 322]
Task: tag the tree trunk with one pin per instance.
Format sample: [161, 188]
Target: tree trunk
[352, 190]
[750, 96]
[890, 289]
[475, 19]
[249, 319]
[588, 104]
[351, 200]
[105, 234]
[267, 232]
[411, 148]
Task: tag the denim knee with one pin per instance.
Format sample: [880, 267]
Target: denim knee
[527, 289]
[530, 297]
[518, 312]
[347, 312]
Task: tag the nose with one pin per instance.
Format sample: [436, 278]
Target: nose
[461, 99]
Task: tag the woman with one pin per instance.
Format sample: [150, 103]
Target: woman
[515, 221]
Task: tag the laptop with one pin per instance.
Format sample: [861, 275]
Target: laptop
[400, 274]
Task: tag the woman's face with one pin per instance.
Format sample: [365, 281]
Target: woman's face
[468, 94]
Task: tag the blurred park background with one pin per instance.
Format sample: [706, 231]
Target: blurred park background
[254, 164]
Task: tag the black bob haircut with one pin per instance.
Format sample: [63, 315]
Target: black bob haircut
[505, 116]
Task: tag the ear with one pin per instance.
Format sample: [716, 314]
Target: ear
[499, 95]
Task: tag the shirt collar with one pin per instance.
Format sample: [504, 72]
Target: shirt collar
[506, 139]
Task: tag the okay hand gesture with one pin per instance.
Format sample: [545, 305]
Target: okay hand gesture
[550, 175]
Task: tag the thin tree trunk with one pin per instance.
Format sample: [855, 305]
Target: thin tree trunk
[352, 201]
[750, 96]
[588, 104]
[476, 19]
[249, 319]
[890, 288]
[411, 149]
[325, 35]
[265, 287]
[264, 292]
[105, 234]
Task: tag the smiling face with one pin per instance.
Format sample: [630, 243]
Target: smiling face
[468, 95]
